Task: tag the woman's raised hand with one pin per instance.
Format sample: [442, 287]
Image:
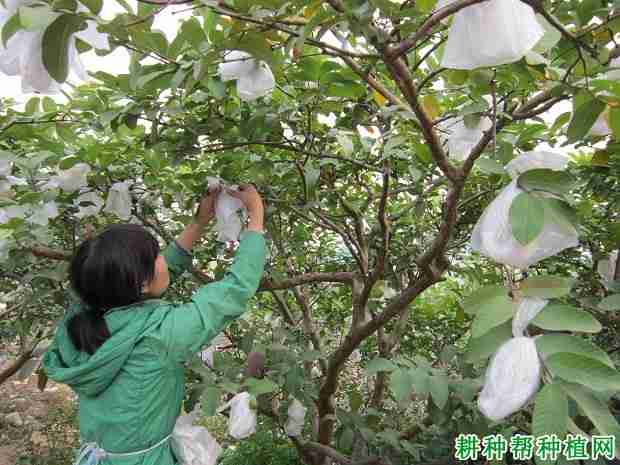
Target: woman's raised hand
[252, 200]
[206, 209]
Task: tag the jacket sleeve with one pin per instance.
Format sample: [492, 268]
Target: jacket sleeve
[187, 327]
[178, 260]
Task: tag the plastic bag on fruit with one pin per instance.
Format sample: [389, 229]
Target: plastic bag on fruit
[92, 198]
[492, 33]
[242, 421]
[257, 83]
[41, 214]
[461, 139]
[254, 78]
[511, 380]
[193, 445]
[607, 268]
[72, 179]
[119, 201]
[296, 416]
[23, 54]
[527, 310]
[601, 125]
[492, 234]
[227, 208]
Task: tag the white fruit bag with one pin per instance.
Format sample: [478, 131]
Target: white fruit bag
[527, 310]
[460, 139]
[242, 421]
[607, 269]
[94, 201]
[492, 33]
[227, 210]
[601, 126]
[72, 179]
[492, 235]
[236, 65]
[119, 201]
[193, 445]
[257, 83]
[296, 416]
[512, 378]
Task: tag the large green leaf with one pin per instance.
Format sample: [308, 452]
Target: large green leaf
[561, 214]
[210, 400]
[483, 347]
[492, 295]
[610, 303]
[584, 118]
[550, 413]
[546, 287]
[559, 317]
[56, 40]
[401, 384]
[379, 364]
[596, 411]
[583, 370]
[527, 218]
[256, 387]
[549, 344]
[439, 388]
[490, 317]
[555, 182]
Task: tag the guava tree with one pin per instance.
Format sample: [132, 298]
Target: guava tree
[370, 210]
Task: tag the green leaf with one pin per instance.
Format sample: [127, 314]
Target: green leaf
[401, 384]
[584, 118]
[32, 106]
[610, 303]
[555, 182]
[550, 413]
[527, 218]
[491, 295]
[193, 33]
[560, 214]
[425, 5]
[546, 287]
[257, 387]
[93, 5]
[56, 40]
[49, 104]
[558, 317]
[35, 18]
[549, 344]
[379, 364]
[210, 400]
[490, 166]
[10, 28]
[595, 410]
[438, 387]
[614, 122]
[583, 370]
[481, 348]
[490, 317]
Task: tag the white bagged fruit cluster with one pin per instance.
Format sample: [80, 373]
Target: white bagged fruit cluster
[492, 33]
[23, 54]
[460, 139]
[492, 236]
[194, 445]
[227, 210]
[513, 375]
[296, 416]
[242, 420]
[254, 78]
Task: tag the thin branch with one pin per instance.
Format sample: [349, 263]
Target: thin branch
[268, 284]
[284, 310]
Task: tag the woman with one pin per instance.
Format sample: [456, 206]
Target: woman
[122, 350]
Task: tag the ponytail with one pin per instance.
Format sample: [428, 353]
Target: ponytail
[88, 330]
[107, 272]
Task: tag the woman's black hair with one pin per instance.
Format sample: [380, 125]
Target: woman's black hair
[109, 271]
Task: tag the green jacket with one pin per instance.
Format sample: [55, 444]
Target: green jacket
[131, 389]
